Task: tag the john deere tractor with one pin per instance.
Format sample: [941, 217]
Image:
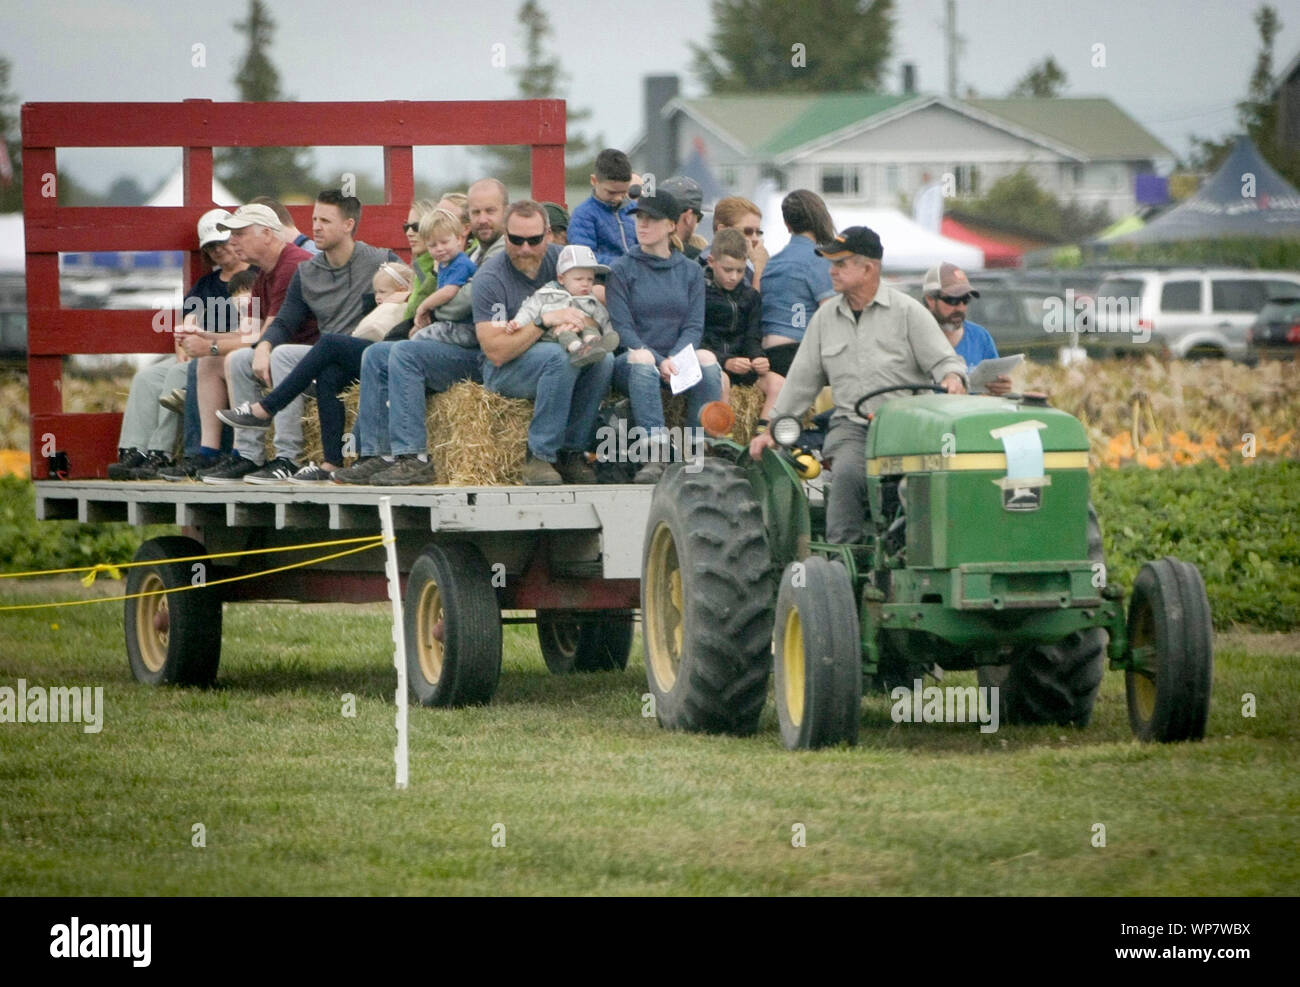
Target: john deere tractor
[982, 552]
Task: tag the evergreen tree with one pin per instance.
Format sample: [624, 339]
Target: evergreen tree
[273, 171]
[540, 77]
[11, 189]
[1043, 81]
[796, 46]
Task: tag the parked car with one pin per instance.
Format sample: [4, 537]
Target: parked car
[13, 317]
[1183, 312]
[1276, 330]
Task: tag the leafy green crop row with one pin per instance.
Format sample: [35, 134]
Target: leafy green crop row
[1241, 527]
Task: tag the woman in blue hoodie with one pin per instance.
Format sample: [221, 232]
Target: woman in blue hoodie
[655, 297]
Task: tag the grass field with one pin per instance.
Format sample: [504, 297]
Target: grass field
[296, 798]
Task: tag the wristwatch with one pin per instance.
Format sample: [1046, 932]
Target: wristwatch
[214, 350]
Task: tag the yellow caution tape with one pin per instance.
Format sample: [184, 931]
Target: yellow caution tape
[373, 542]
[89, 578]
[194, 558]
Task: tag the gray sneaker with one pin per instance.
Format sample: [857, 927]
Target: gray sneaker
[311, 473]
[243, 417]
[362, 470]
[406, 471]
[540, 473]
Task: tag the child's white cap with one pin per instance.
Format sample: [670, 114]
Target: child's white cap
[577, 255]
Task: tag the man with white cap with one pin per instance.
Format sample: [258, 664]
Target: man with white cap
[947, 294]
[254, 232]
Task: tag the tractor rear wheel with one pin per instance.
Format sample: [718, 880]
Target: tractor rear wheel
[453, 627]
[706, 601]
[1169, 628]
[817, 656]
[571, 645]
[1054, 683]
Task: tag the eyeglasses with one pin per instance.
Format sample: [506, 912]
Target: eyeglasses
[750, 230]
[519, 241]
[410, 227]
[951, 300]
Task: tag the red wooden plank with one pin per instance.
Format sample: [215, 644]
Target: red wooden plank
[196, 170]
[44, 385]
[72, 229]
[89, 440]
[201, 123]
[548, 174]
[93, 330]
[399, 175]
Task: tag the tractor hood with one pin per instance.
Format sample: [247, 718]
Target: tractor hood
[948, 425]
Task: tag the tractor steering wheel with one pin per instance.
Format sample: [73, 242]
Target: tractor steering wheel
[857, 407]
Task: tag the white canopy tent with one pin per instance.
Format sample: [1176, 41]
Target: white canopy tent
[908, 245]
[13, 248]
[172, 192]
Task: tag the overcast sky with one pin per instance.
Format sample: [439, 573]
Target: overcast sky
[1177, 66]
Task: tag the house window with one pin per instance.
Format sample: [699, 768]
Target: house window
[893, 180]
[967, 180]
[728, 177]
[839, 180]
[774, 174]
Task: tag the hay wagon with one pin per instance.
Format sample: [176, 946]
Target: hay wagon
[568, 557]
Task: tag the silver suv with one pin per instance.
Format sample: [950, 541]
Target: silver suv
[1183, 312]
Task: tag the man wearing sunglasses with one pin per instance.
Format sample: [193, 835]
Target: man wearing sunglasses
[947, 294]
[565, 398]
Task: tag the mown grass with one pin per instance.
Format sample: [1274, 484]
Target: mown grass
[594, 797]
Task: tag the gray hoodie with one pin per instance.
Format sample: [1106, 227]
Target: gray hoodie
[335, 295]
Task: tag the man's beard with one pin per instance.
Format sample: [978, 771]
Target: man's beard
[527, 266]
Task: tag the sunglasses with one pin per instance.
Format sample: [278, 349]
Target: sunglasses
[519, 241]
[955, 300]
[751, 230]
[410, 227]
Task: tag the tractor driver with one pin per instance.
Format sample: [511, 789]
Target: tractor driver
[866, 337]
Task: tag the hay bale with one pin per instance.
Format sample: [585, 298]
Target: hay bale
[478, 438]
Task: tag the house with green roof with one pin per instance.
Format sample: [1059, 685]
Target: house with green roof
[872, 150]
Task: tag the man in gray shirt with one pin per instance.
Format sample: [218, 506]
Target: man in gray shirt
[867, 337]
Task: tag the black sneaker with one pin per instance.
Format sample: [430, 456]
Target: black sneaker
[127, 460]
[155, 461]
[187, 469]
[362, 470]
[406, 471]
[243, 417]
[278, 470]
[574, 468]
[232, 469]
[311, 473]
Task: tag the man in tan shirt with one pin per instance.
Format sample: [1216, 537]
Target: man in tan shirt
[867, 337]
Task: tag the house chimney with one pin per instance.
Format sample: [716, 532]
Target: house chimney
[909, 79]
[659, 153]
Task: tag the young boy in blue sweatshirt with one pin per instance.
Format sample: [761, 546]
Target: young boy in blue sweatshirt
[603, 221]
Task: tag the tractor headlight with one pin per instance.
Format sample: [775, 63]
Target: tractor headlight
[786, 430]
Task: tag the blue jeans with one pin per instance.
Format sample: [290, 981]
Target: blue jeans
[565, 398]
[334, 362]
[193, 427]
[394, 379]
[645, 389]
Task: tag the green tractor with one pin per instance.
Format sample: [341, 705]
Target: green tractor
[982, 552]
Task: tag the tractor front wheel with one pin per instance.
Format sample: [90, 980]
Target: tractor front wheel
[706, 601]
[817, 656]
[1170, 635]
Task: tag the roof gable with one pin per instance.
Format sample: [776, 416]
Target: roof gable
[1094, 125]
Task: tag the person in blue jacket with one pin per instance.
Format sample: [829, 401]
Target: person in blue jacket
[604, 221]
[655, 296]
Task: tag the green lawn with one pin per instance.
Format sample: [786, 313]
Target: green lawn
[594, 798]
